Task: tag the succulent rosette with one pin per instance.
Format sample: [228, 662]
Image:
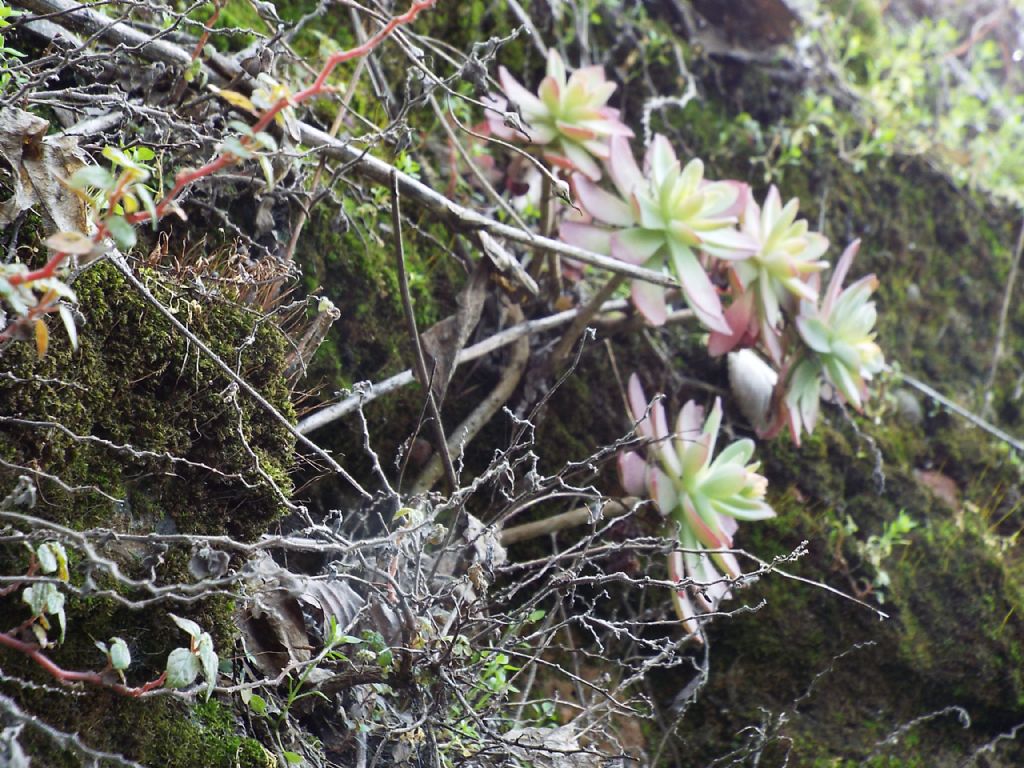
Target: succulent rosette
[774, 278]
[704, 494]
[569, 116]
[665, 214]
[841, 345]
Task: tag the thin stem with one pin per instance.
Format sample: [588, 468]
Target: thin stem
[473, 423]
[997, 350]
[418, 359]
[501, 339]
[67, 676]
[570, 519]
[579, 324]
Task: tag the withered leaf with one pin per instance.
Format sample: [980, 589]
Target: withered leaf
[38, 164]
[443, 341]
[506, 263]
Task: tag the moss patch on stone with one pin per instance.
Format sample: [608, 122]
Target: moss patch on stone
[146, 394]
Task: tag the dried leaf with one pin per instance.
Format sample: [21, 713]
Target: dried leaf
[275, 631]
[550, 748]
[70, 242]
[68, 318]
[40, 163]
[506, 263]
[443, 341]
[334, 599]
[236, 99]
[42, 338]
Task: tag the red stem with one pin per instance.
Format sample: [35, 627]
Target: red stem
[218, 6]
[66, 676]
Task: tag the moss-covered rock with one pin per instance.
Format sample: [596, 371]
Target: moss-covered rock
[163, 415]
[137, 431]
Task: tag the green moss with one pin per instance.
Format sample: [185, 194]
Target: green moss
[155, 732]
[134, 381]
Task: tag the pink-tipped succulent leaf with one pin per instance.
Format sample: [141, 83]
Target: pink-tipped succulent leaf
[774, 278]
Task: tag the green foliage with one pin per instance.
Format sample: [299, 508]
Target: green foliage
[876, 549]
[918, 98]
[8, 55]
[185, 664]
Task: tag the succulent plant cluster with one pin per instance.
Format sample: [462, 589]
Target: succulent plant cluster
[751, 275]
[662, 215]
[750, 272]
[840, 346]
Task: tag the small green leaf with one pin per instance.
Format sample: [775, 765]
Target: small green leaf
[182, 668]
[92, 176]
[268, 170]
[54, 600]
[208, 658]
[265, 140]
[46, 557]
[116, 156]
[234, 146]
[258, 704]
[34, 598]
[43, 599]
[147, 203]
[61, 619]
[187, 625]
[120, 656]
[122, 232]
[243, 128]
[292, 758]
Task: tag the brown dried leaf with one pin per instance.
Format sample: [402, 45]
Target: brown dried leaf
[276, 624]
[334, 599]
[443, 341]
[38, 163]
[42, 338]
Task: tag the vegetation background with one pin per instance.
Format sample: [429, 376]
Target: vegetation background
[358, 616]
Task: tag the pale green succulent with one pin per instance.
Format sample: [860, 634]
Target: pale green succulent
[841, 342]
[705, 496]
[665, 214]
[569, 116]
[774, 278]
